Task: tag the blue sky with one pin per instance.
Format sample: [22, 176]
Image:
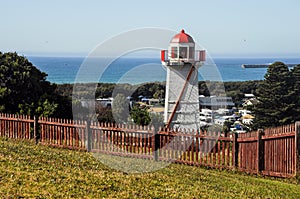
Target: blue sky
[231, 28]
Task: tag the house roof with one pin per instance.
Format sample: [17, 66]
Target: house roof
[157, 109]
[248, 95]
[247, 116]
[216, 101]
[252, 101]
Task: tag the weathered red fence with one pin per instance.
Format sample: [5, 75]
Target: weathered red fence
[269, 152]
[278, 151]
[123, 140]
[16, 126]
[63, 133]
[273, 152]
[196, 148]
[247, 156]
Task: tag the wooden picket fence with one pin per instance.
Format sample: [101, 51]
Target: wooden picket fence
[272, 152]
[13, 126]
[62, 133]
[195, 148]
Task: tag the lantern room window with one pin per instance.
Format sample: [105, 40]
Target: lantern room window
[191, 52]
[174, 52]
[182, 52]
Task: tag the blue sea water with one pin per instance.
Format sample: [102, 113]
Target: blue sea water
[139, 70]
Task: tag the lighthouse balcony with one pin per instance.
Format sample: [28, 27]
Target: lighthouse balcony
[171, 58]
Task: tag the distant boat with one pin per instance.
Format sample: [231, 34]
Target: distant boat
[263, 65]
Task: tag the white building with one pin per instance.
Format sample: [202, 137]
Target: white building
[206, 116]
[244, 112]
[249, 95]
[105, 102]
[216, 102]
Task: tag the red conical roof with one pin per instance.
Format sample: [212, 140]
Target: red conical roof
[182, 37]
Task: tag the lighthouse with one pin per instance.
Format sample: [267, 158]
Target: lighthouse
[182, 93]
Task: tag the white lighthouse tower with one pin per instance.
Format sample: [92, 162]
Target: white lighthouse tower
[182, 92]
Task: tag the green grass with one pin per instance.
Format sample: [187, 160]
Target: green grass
[35, 171]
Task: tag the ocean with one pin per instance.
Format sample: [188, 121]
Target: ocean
[62, 70]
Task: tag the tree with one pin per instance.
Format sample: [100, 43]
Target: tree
[226, 126]
[296, 79]
[275, 93]
[120, 108]
[24, 89]
[104, 114]
[155, 89]
[104, 90]
[140, 116]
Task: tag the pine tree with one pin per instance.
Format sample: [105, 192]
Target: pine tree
[120, 109]
[275, 95]
[296, 79]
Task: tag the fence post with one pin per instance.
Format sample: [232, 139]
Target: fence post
[88, 134]
[297, 148]
[235, 148]
[260, 151]
[35, 129]
[155, 142]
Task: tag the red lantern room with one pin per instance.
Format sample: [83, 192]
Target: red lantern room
[182, 50]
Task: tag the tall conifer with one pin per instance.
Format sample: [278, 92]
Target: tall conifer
[275, 95]
[296, 79]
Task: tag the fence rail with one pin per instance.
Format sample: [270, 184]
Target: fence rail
[272, 152]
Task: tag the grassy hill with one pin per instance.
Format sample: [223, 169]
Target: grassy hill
[34, 171]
